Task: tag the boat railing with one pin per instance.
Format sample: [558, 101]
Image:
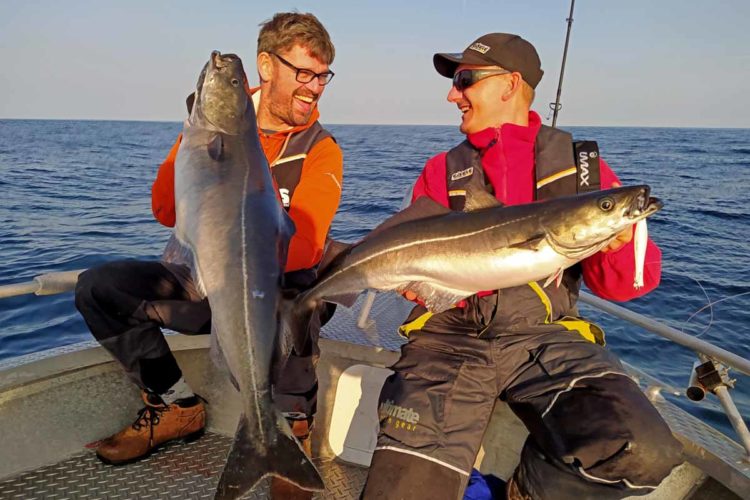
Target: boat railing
[710, 373]
[44, 284]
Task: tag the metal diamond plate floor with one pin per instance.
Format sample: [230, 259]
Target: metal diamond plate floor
[381, 329]
[177, 471]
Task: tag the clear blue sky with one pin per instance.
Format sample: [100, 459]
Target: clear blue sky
[634, 63]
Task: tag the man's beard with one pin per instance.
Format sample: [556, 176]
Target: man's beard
[285, 111]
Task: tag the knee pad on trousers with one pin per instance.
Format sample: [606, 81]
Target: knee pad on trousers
[629, 441]
[611, 444]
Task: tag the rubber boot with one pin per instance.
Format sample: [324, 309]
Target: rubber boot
[284, 490]
[157, 424]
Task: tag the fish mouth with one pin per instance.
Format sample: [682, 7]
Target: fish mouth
[644, 205]
[219, 60]
[641, 206]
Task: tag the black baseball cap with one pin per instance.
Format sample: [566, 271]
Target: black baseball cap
[508, 51]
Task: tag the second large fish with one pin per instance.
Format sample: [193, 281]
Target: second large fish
[448, 257]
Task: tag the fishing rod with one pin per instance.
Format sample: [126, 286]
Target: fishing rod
[556, 106]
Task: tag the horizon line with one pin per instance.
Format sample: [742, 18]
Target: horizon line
[127, 120]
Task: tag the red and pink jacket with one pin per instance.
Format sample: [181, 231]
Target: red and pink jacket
[509, 166]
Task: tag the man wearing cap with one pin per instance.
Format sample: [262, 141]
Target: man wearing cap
[592, 432]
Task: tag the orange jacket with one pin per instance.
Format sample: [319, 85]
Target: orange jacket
[315, 201]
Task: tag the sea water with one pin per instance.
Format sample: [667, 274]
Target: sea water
[74, 194]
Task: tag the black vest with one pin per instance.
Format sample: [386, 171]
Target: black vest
[562, 167]
[287, 171]
[287, 166]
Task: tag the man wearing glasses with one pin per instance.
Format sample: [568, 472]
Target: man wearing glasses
[592, 432]
[125, 303]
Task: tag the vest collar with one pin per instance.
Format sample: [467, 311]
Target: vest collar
[510, 133]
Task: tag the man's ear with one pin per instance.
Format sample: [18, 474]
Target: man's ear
[265, 66]
[513, 86]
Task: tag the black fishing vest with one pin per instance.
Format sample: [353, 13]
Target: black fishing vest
[562, 167]
[287, 171]
[287, 167]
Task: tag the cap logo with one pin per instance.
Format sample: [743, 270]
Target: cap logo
[479, 47]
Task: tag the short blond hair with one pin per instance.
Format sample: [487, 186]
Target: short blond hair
[287, 29]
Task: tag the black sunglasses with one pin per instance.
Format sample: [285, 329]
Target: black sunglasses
[465, 78]
[306, 75]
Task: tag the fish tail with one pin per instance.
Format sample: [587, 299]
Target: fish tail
[289, 461]
[248, 463]
[294, 326]
[297, 315]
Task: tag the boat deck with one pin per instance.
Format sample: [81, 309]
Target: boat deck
[193, 470]
[175, 471]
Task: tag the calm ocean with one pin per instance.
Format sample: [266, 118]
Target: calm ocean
[74, 194]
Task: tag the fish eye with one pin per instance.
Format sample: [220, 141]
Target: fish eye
[235, 82]
[606, 203]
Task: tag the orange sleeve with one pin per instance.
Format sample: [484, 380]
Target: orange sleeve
[314, 203]
[162, 192]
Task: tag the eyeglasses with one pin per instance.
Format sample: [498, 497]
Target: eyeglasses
[468, 77]
[306, 75]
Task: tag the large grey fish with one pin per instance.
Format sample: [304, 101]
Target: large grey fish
[450, 256]
[229, 216]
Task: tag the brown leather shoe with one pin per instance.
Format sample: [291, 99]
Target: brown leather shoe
[284, 490]
[156, 424]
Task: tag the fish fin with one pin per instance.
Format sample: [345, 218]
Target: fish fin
[435, 298]
[179, 252]
[556, 277]
[189, 102]
[287, 228]
[422, 208]
[216, 147]
[530, 243]
[286, 342]
[477, 199]
[176, 252]
[284, 458]
[296, 316]
[333, 248]
[216, 354]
